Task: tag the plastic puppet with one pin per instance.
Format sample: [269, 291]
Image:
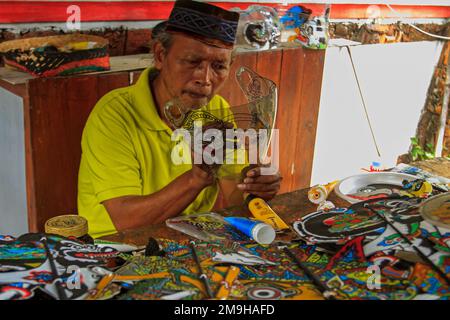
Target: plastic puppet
[67, 267]
[275, 290]
[440, 183]
[338, 225]
[258, 28]
[302, 25]
[259, 114]
[418, 188]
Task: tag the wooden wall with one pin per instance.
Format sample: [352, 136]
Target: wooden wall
[56, 110]
[54, 120]
[298, 76]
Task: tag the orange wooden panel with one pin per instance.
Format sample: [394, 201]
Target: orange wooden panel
[231, 90]
[291, 79]
[308, 115]
[58, 109]
[269, 65]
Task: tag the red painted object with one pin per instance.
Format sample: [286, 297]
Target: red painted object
[56, 11]
[99, 64]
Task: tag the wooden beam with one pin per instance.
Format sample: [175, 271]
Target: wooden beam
[56, 11]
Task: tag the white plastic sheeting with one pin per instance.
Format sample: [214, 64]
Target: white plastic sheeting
[394, 79]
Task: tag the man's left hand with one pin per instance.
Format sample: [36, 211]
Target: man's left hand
[263, 186]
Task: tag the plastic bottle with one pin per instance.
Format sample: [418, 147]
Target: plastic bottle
[259, 231]
[262, 211]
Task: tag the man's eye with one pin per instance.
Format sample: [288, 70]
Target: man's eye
[191, 62]
[219, 66]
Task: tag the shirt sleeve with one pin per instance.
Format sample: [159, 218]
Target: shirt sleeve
[111, 159]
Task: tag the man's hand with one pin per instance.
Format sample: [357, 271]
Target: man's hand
[211, 169]
[263, 186]
[201, 176]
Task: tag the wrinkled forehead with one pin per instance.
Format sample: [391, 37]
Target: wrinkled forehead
[185, 45]
[209, 41]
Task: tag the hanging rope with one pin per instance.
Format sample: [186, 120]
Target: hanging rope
[417, 28]
[363, 101]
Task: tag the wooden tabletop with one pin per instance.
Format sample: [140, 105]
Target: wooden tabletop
[437, 166]
[289, 206]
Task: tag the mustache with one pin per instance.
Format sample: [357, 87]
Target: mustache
[198, 93]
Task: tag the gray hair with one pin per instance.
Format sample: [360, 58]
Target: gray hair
[159, 34]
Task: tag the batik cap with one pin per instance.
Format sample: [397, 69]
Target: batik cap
[205, 22]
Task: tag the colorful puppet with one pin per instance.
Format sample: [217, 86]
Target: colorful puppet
[64, 270]
[406, 258]
[302, 25]
[274, 290]
[338, 225]
[258, 29]
[417, 188]
[441, 184]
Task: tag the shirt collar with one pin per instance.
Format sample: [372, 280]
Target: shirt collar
[145, 104]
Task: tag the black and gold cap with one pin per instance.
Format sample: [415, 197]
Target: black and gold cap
[205, 22]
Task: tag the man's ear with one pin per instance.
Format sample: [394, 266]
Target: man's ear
[233, 57]
[159, 54]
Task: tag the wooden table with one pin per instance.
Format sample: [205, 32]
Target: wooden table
[437, 166]
[289, 206]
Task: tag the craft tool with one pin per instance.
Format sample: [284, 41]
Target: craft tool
[319, 193]
[323, 288]
[59, 290]
[101, 285]
[246, 253]
[141, 277]
[262, 211]
[202, 275]
[418, 251]
[122, 247]
[227, 283]
[178, 295]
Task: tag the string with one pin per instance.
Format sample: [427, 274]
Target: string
[417, 28]
[363, 102]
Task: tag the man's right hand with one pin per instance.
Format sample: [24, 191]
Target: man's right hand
[201, 177]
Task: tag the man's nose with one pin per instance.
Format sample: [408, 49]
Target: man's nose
[203, 74]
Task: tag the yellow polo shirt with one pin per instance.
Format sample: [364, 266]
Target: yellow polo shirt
[126, 150]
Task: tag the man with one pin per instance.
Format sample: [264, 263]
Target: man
[126, 177]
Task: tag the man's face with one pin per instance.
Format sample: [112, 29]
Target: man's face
[193, 71]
